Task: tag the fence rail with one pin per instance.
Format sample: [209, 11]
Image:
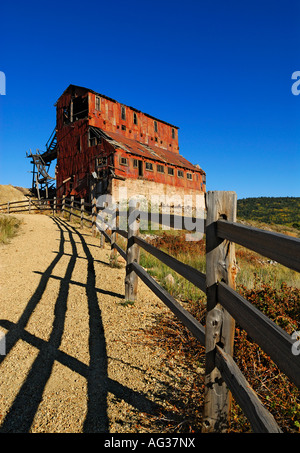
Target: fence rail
[223, 378]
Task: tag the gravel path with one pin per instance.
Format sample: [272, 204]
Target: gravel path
[75, 356]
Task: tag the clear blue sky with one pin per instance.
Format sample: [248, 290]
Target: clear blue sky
[220, 70]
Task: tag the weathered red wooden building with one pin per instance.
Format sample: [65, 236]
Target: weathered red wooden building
[104, 146]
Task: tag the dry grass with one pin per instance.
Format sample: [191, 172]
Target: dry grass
[272, 288]
[9, 227]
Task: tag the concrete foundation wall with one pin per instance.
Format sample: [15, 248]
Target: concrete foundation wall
[157, 193]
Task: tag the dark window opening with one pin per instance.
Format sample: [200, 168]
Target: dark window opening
[180, 173]
[155, 126]
[141, 171]
[123, 161]
[80, 108]
[149, 166]
[94, 137]
[66, 115]
[173, 133]
[123, 113]
[171, 171]
[135, 163]
[101, 161]
[123, 127]
[160, 168]
[135, 121]
[189, 176]
[78, 145]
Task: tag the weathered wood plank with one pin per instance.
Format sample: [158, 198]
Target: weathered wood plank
[261, 420]
[278, 247]
[185, 317]
[132, 253]
[193, 275]
[120, 250]
[268, 335]
[220, 265]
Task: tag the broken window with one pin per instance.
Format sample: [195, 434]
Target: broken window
[173, 133]
[66, 115]
[79, 107]
[155, 126]
[180, 174]
[160, 168]
[101, 161]
[189, 176]
[123, 127]
[135, 163]
[94, 137]
[149, 166]
[170, 171]
[135, 118]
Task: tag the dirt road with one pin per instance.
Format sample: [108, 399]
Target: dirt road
[75, 357]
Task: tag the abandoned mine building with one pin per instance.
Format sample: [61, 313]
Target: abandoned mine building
[102, 146]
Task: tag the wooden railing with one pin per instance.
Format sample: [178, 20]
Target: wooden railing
[223, 378]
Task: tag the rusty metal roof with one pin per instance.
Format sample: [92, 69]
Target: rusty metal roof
[152, 152]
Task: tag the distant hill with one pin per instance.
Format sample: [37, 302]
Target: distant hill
[277, 210]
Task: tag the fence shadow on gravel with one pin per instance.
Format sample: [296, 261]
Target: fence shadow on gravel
[21, 415]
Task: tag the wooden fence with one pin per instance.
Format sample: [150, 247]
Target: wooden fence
[223, 378]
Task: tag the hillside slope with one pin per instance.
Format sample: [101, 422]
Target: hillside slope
[278, 210]
[12, 193]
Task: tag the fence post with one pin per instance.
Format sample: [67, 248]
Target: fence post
[63, 205]
[220, 326]
[133, 252]
[29, 205]
[94, 215]
[81, 212]
[8, 207]
[54, 206]
[71, 207]
[114, 235]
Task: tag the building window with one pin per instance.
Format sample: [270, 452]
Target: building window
[97, 103]
[101, 161]
[135, 163]
[173, 133]
[123, 113]
[189, 176]
[149, 166]
[123, 161]
[123, 127]
[180, 174]
[135, 121]
[155, 126]
[170, 171]
[160, 168]
[94, 137]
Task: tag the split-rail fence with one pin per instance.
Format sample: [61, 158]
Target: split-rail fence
[223, 378]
